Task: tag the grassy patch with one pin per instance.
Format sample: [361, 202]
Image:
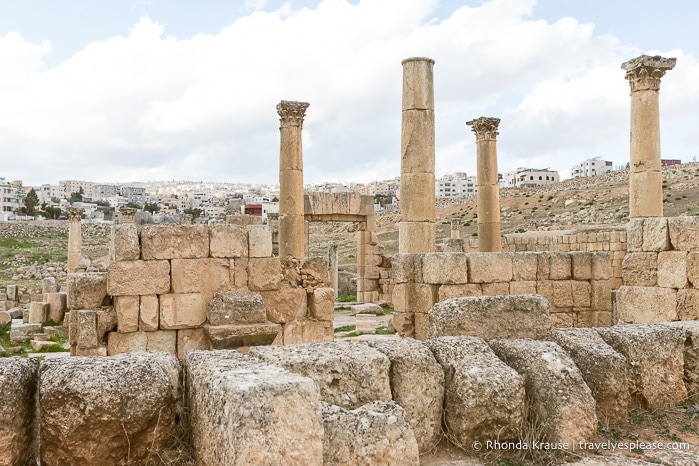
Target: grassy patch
[347, 298]
[345, 328]
[385, 331]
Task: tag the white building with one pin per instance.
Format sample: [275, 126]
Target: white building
[9, 200]
[530, 178]
[46, 193]
[73, 186]
[456, 185]
[591, 167]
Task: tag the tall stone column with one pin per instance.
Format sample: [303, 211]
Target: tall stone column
[332, 266]
[645, 177]
[488, 195]
[291, 220]
[75, 241]
[417, 228]
[455, 228]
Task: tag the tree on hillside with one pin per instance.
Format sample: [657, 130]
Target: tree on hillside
[30, 202]
[151, 207]
[77, 197]
[195, 213]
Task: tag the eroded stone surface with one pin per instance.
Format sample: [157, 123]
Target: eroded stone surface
[236, 307]
[18, 380]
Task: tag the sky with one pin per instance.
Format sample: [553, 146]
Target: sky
[145, 90]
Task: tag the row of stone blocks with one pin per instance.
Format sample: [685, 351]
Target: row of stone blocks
[343, 402]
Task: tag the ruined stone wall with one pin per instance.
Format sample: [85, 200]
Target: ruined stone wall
[578, 285]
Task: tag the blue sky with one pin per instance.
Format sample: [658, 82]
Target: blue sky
[174, 89]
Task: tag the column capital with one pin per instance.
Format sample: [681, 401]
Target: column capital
[484, 128]
[644, 72]
[291, 112]
[75, 214]
[127, 214]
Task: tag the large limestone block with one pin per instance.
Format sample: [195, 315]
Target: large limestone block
[684, 233]
[691, 356]
[634, 235]
[228, 241]
[322, 304]
[414, 297]
[259, 241]
[512, 316]
[161, 340]
[191, 339]
[457, 291]
[416, 237]
[86, 290]
[601, 266]
[417, 201]
[445, 268]
[177, 311]
[549, 372]
[417, 384]
[138, 278]
[645, 305]
[560, 266]
[127, 310]
[406, 268]
[693, 268]
[58, 304]
[21, 332]
[378, 433]
[174, 242]
[672, 269]
[264, 273]
[654, 362]
[236, 307]
[308, 331]
[349, 374]
[285, 305]
[133, 342]
[640, 269]
[488, 267]
[18, 381]
[581, 263]
[602, 368]
[417, 142]
[484, 398]
[246, 412]
[656, 235]
[206, 276]
[107, 410]
[688, 304]
[347, 203]
[236, 336]
[524, 266]
[124, 244]
[38, 312]
[149, 313]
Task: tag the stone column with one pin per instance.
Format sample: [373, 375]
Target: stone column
[185, 219]
[291, 220]
[127, 215]
[75, 241]
[332, 266]
[417, 228]
[487, 197]
[645, 177]
[455, 225]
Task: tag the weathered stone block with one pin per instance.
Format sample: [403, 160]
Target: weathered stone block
[206, 276]
[132, 412]
[264, 273]
[656, 235]
[688, 304]
[523, 287]
[238, 403]
[239, 274]
[149, 313]
[236, 307]
[445, 268]
[548, 372]
[118, 343]
[38, 312]
[581, 263]
[86, 290]
[513, 316]
[414, 297]
[348, 374]
[308, 331]
[672, 269]
[484, 399]
[640, 269]
[259, 241]
[601, 266]
[560, 267]
[179, 311]
[365, 323]
[495, 289]
[417, 384]
[601, 295]
[457, 291]
[693, 268]
[236, 336]
[524, 266]
[12, 293]
[581, 292]
[488, 267]
[654, 362]
[407, 268]
[602, 368]
[404, 323]
[127, 311]
[285, 305]
[634, 236]
[58, 304]
[322, 304]
[377, 433]
[645, 305]
[87, 330]
[684, 233]
[691, 356]
[174, 242]
[18, 381]
[228, 241]
[124, 244]
[138, 278]
[162, 341]
[191, 339]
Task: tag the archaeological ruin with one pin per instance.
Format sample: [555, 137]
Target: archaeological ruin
[225, 331]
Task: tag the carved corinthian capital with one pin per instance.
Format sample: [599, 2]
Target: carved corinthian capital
[644, 72]
[484, 127]
[291, 113]
[75, 214]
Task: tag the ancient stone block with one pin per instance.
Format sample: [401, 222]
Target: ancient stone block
[285, 305]
[179, 311]
[602, 368]
[404, 323]
[495, 289]
[149, 313]
[581, 292]
[414, 297]
[640, 269]
[228, 241]
[691, 356]
[376, 433]
[407, 268]
[488, 267]
[684, 233]
[581, 263]
[601, 295]
[12, 293]
[174, 242]
[127, 311]
[692, 266]
[124, 244]
[634, 236]
[132, 414]
[87, 330]
[205, 276]
[417, 384]
[601, 266]
[513, 316]
[238, 403]
[445, 268]
[548, 372]
[672, 269]
[235, 307]
[484, 399]
[86, 290]
[524, 266]
[138, 278]
[457, 291]
[118, 343]
[162, 340]
[416, 237]
[322, 304]
[58, 304]
[656, 236]
[38, 312]
[191, 339]
[560, 267]
[238, 335]
[644, 305]
[365, 323]
[523, 287]
[259, 241]
[18, 381]
[688, 304]
[348, 374]
[264, 273]
[239, 274]
[654, 362]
